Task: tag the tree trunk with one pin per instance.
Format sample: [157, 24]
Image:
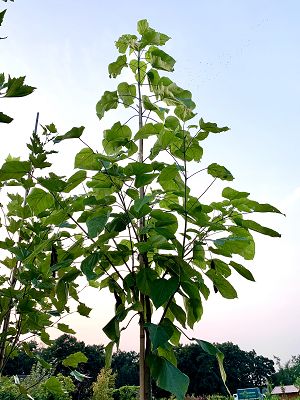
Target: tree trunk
[145, 315]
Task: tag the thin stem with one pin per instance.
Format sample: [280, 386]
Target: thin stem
[82, 141]
[126, 326]
[145, 345]
[197, 172]
[185, 195]
[121, 102]
[202, 194]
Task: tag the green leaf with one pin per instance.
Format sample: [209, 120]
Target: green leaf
[162, 289]
[131, 147]
[72, 134]
[144, 280]
[118, 132]
[118, 223]
[62, 294]
[115, 68]
[172, 123]
[54, 386]
[211, 127]
[170, 179]
[74, 180]
[242, 271]
[16, 88]
[96, 224]
[166, 224]
[168, 377]
[232, 194]
[137, 168]
[133, 194]
[152, 37]
[254, 226]
[108, 354]
[221, 267]
[5, 118]
[220, 359]
[239, 242]
[66, 329]
[88, 265]
[193, 303]
[78, 375]
[257, 207]
[214, 351]
[194, 152]
[124, 41]
[51, 128]
[2, 14]
[139, 203]
[37, 250]
[2, 79]
[208, 347]
[198, 255]
[178, 313]
[139, 68]
[115, 138]
[159, 336]
[45, 337]
[74, 359]
[148, 130]
[53, 183]
[145, 179]
[127, 93]
[225, 288]
[159, 59]
[218, 171]
[14, 170]
[108, 101]
[87, 159]
[71, 275]
[112, 330]
[39, 200]
[184, 113]
[57, 217]
[84, 310]
[153, 107]
[142, 26]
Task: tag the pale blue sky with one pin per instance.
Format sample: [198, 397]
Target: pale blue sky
[241, 60]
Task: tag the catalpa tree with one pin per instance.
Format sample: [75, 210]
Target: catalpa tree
[141, 227]
[156, 245]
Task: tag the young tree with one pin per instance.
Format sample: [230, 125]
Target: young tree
[141, 225]
[34, 287]
[155, 243]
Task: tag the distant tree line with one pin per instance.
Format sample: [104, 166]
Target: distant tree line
[243, 368]
[287, 373]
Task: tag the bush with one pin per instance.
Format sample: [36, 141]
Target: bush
[126, 393]
[39, 384]
[8, 389]
[217, 397]
[103, 388]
